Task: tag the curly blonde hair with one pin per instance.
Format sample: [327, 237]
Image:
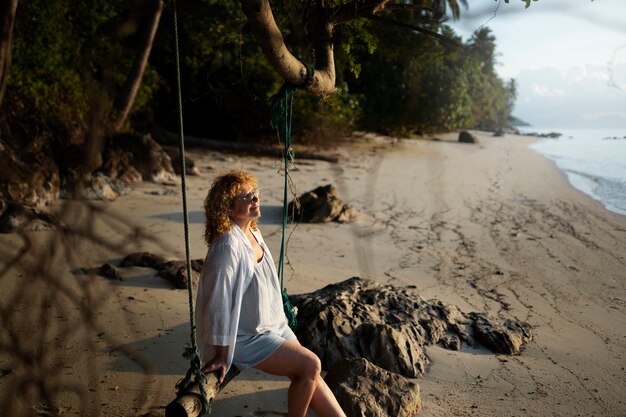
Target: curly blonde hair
[220, 200]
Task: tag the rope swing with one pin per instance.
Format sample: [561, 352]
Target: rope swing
[194, 375]
[192, 398]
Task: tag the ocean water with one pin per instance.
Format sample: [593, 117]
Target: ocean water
[593, 159]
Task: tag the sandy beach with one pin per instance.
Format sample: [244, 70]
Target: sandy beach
[491, 227]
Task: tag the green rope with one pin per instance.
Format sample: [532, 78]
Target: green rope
[194, 374]
[282, 108]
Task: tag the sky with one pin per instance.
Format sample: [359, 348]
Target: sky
[567, 56]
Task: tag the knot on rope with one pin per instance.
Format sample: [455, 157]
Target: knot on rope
[310, 75]
[194, 375]
[290, 154]
[280, 105]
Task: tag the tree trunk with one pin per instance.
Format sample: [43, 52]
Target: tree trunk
[7, 16]
[269, 37]
[124, 102]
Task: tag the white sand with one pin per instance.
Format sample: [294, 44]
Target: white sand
[493, 227]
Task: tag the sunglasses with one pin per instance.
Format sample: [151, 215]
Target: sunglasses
[249, 198]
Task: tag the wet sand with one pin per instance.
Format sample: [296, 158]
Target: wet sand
[491, 227]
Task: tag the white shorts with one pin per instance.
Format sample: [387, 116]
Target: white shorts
[252, 350]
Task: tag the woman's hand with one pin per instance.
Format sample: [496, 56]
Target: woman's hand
[218, 364]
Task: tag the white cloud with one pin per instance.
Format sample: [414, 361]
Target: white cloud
[545, 91]
[568, 57]
[578, 95]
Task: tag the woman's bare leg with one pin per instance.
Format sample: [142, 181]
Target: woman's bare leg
[303, 368]
[324, 402]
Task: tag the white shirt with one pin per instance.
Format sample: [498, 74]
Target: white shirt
[226, 274]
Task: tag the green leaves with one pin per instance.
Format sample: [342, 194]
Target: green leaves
[356, 39]
[415, 83]
[69, 59]
[68, 56]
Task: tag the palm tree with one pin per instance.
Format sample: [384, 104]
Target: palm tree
[453, 5]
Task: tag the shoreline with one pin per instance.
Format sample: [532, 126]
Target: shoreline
[591, 163]
[492, 227]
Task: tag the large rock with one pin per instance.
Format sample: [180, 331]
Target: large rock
[190, 165]
[321, 205]
[133, 157]
[16, 217]
[363, 389]
[389, 326]
[31, 180]
[37, 178]
[507, 337]
[382, 343]
[96, 186]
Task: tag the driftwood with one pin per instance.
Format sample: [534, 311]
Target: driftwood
[168, 138]
[190, 403]
[174, 271]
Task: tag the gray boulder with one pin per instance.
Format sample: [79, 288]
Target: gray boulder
[389, 326]
[133, 158]
[363, 389]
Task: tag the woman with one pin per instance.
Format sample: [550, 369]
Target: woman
[239, 310]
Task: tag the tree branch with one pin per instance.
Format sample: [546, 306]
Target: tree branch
[269, 37]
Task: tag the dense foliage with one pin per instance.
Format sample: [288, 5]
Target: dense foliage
[420, 84]
[70, 58]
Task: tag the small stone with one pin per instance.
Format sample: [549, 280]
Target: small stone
[467, 137]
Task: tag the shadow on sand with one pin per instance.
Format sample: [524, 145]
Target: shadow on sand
[269, 215]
